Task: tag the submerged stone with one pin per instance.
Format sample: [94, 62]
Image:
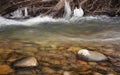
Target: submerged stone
[26, 62]
[5, 70]
[48, 70]
[87, 55]
[66, 73]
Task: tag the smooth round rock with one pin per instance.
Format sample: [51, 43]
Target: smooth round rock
[26, 62]
[87, 55]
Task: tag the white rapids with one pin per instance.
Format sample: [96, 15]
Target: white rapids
[42, 19]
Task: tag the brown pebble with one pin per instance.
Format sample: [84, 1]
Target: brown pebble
[66, 73]
[82, 62]
[96, 73]
[104, 63]
[92, 63]
[5, 70]
[48, 70]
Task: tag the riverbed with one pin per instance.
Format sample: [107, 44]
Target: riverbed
[55, 43]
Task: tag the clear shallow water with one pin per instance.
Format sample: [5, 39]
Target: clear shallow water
[59, 40]
[88, 29]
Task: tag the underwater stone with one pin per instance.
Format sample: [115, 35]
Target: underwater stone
[26, 62]
[66, 73]
[87, 55]
[5, 70]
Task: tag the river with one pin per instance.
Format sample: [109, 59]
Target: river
[91, 29]
[49, 38]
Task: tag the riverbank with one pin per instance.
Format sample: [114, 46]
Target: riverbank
[56, 8]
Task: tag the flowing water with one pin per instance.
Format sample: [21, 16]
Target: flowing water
[54, 42]
[90, 29]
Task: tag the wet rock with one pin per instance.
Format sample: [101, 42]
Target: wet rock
[102, 69]
[25, 62]
[54, 46]
[82, 62]
[104, 63]
[73, 49]
[29, 50]
[56, 62]
[92, 63]
[111, 74]
[60, 72]
[48, 70]
[83, 68]
[87, 55]
[96, 73]
[85, 73]
[25, 72]
[1, 50]
[66, 73]
[74, 73]
[11, 57]
[5, 70]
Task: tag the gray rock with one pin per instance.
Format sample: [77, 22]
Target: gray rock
[87, 55]
[26, 62]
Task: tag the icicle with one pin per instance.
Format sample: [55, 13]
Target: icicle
[26, 11]
[17, 14]
[67, 10]
[78, 12]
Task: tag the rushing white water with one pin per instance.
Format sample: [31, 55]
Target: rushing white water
[39, 19]
[78, 12]
[29, 22]
[68, 11]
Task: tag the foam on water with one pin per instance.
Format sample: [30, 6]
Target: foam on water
[29, 22]
[40, 19]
